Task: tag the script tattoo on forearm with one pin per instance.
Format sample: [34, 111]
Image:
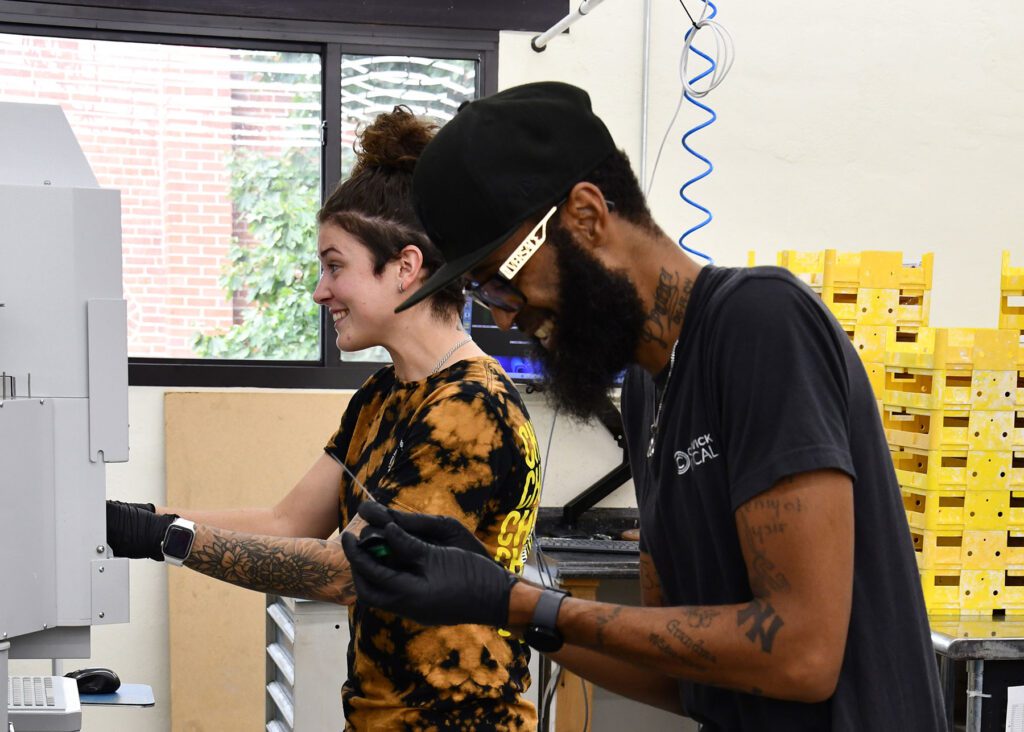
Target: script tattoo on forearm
[668, 651]
[306, 568]
[670, 301]
[764, 623]
[693, 654]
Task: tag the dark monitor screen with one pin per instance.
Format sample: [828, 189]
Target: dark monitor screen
[511, 348]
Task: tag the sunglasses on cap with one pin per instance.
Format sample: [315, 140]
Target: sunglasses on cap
[497, 291]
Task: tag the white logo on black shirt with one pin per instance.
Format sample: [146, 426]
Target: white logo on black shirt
[700, 451]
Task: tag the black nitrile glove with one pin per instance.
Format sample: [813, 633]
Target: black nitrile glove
[438, 530]
[432, 585]
[146, 506]
[135, 532]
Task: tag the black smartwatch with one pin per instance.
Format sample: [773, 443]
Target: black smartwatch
[542, 632]
[178, 540]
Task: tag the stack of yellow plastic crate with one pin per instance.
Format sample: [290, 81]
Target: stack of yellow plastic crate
[873, 294]
[954, 418]
[952, 402]
[1011, 296]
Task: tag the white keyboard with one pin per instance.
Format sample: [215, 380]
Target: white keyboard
[43, 704]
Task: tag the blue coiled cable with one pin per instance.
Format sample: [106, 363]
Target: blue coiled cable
[717, 69]
[707, 171]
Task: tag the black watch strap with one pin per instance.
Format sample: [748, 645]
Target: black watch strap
[545, 613]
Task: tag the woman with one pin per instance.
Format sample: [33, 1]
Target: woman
[440, 431]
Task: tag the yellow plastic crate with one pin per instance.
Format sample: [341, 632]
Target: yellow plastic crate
[876, 375]
[862, 306]
[952, 430]
[976, 626]
[870, 341]
[941, 590]
[992, 550]
[955, 349]
[973, 592]
[934, 510]
[938, 548]
[968, 549]
[957, 471]
[1011, 278]
[876, 270]
[926, 389]
[984, 590]
[808, 266]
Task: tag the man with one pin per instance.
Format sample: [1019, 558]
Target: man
[778, 577]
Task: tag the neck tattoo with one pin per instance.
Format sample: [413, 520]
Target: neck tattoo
[444, 359]
[661, 402]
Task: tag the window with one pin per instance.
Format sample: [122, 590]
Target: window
[429, 87]
[203, 144]
[223, 150]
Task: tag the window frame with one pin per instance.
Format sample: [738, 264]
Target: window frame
[330, 40]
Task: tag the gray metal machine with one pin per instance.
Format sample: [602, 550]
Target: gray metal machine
[64, 396]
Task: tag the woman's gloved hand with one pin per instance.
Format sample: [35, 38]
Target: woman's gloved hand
[135, 531]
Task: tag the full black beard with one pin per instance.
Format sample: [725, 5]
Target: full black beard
[600, 318]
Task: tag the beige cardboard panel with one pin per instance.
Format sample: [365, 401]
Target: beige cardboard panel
[224, 450]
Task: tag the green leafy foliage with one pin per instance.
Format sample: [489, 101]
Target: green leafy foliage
[277, 197]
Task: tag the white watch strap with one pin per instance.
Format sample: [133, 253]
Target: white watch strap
[189, 526]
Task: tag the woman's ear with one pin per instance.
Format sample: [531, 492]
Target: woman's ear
[410, 265]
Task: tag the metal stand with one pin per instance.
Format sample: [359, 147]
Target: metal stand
[611, 418]
[986, 639]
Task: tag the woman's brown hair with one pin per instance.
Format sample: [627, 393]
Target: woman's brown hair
[374, 203]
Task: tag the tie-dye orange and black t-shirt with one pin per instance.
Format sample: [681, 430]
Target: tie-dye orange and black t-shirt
[458, 443]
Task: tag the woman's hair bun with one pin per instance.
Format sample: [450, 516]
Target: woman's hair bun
[393, 141]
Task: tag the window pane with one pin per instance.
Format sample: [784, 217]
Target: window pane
[430, 87]
[216, 153]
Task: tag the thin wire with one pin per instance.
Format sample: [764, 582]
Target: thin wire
[542, 564]
[586, 704]
[550, 695]
[686, 10]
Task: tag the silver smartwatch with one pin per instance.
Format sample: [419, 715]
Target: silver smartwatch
[178, 541]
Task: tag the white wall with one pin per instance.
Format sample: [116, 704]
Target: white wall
[840, 126]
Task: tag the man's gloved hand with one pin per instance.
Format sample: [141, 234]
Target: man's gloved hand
[135, 532]
[432, 585]
[438, 530]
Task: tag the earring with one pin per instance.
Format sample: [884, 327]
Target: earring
[401, 286]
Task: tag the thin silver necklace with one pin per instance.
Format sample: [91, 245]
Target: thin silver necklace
[661, 401]
[450, 353]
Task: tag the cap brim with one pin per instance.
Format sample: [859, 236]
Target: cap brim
[453, 270]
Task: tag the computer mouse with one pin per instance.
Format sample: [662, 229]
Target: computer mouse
[95, 680]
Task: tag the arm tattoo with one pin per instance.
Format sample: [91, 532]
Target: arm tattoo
[765, 578]
[668, 651]
[602, 621]
[759, 613]
[650, 586]
[670, 301]
[700, 617]
[306, 568]
[696, 647]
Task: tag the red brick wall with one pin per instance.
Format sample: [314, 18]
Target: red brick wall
[157, 123]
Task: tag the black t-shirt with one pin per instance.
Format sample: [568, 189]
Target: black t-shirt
[766, 384]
